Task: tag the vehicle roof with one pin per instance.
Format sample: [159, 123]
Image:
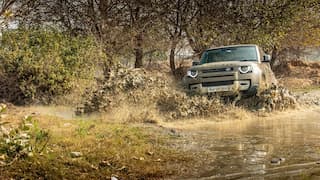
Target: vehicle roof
[238, 45]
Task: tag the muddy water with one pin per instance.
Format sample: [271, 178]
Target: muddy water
[286, 145]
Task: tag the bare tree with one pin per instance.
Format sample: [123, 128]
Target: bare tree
[125, 27]
[6, 5]
[175, 22]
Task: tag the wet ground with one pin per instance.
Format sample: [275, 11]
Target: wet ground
[286, 145]
[281, 145]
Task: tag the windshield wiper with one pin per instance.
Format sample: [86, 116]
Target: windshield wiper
[248, 60]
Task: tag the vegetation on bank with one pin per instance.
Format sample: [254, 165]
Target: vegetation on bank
[138, 31]
[39, 65]
[299, 75]
[89, 149]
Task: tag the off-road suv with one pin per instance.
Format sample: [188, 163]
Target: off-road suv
[230, 70]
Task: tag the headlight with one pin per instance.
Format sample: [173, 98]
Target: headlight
[245, 69]
[192, 73]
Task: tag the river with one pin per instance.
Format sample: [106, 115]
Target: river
[284, 145]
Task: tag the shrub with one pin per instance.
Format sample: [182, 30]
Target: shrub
[38, 65]
[26, 140]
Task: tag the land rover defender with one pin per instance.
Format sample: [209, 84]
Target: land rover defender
[230, 70]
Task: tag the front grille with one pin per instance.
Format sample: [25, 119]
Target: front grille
[228, 75]
[219, 83]
[217, 70]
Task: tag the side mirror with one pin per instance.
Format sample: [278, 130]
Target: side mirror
[195, 63]
[266, 58]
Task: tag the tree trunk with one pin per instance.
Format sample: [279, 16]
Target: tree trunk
[172, 57]
[194, 45]
[96, 27]
[274, 57]
[139, 51]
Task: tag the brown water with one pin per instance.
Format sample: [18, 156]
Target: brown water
[284, 145]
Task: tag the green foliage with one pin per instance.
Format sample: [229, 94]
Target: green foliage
[84, 128]
[39, 137]
[37, 65]
[24, 141]
[3, 108]
[266, 23]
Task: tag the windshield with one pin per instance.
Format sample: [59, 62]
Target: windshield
[241, 53]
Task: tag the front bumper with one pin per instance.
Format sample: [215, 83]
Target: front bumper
[234, 88]
[230, 84]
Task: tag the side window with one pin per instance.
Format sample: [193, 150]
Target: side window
[204, 58]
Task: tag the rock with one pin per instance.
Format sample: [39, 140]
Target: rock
[173, 131]
[277, 161]
[35, 113]
[114, 178]
[94, 167]
[150, 153]
[282, 159]
[123, 169]
[105, 163]
[76, 154]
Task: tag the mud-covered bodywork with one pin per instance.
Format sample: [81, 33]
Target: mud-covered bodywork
[230, 70]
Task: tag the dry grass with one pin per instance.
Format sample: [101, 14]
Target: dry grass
[108, 148]
[237, 113]
[299, 75]
[134, 114]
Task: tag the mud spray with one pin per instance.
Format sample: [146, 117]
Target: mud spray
[140, 95]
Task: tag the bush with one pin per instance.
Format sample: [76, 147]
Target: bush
[26, 140]
[38, 65]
